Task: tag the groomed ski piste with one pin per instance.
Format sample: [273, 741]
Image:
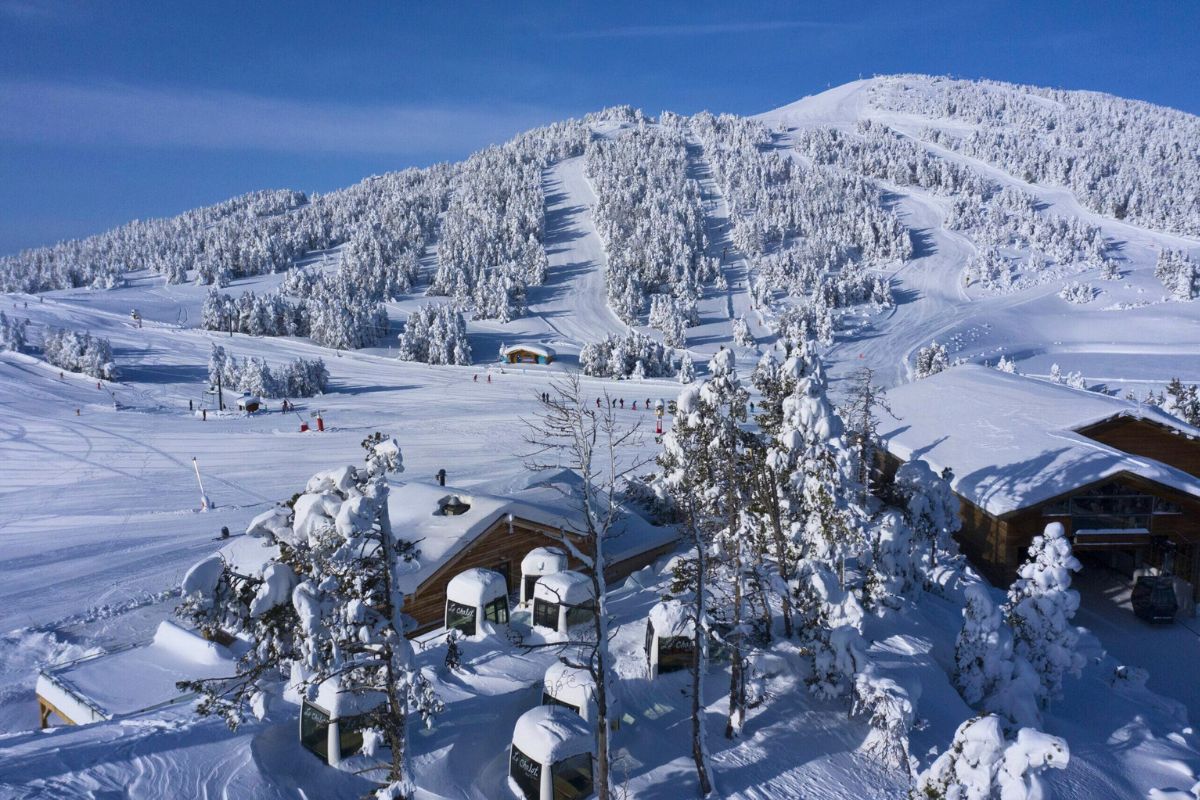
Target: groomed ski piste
[101, 515]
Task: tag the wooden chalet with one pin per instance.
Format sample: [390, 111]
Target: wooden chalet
[496, 532]
[1122, 477]
[528, 354]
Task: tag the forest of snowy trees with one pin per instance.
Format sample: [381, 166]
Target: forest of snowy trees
[435, 334]
[301, 377]
[332, 312]
[1123, 158]
[631, 355]
[79, 351]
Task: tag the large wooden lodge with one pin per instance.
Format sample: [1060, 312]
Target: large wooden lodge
[1122, 477]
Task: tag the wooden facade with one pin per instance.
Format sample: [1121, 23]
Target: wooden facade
[997, 545]
[501, 548]
[1150, 439]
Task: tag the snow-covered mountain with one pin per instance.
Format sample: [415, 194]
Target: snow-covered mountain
[1057, 230]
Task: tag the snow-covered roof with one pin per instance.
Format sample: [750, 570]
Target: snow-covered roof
[573, 685]
[548, 734]
[543, 561]
[134, 678]
[248, 399]
[1011, 442]
[476, 587]
[536, 349]
[672, 618]
[568, 587]
[547, 501]
[341, 702]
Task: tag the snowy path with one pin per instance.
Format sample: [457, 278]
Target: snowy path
[718, 309]
[573, 302]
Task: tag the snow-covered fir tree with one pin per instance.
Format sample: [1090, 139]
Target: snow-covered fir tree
[930, 360]
[687, 370]
[741, 333]
[1039, 610]
[300, 377]
[1183, 401]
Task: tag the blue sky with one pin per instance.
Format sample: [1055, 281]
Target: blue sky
[111, 111]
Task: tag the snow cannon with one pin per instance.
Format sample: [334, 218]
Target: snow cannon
[551, 755]
[563, 600]
[540, 561]
[474, 598]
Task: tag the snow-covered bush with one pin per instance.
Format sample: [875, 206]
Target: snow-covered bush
[13, 334]
[1077, 292]
[79, 352]
[931, 360]
[983, 764]
[1006, 365]
[435, 334]
[301, 377]
[617, 356]
[1039, 610]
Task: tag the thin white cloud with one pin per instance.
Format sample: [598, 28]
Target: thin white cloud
[711, 29]
[66, 114]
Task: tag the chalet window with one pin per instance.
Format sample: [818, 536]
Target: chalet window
[550, 700]
[460, 616]
[314, 730]
[573, 777]
[497, 611]
[527, 774]
[580, 615]
[350, 733]
[545, 614]
[1112, 506]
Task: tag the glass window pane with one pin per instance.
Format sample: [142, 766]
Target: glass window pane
[314, 730]
[674, 653]
[573, 777]
[545, 614]
[460, 616]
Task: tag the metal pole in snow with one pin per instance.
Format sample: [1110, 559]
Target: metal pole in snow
[205, 503]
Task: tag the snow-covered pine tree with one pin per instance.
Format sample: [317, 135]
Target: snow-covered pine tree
[1182, 401]
[932, 509]
[930, 360]
[351, 625]
[741, 333]
[1039, 609]
[983, 658]
[687, 370]
[12, 334]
